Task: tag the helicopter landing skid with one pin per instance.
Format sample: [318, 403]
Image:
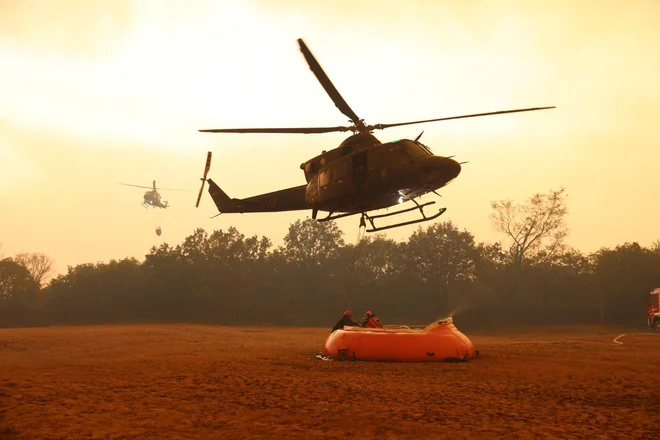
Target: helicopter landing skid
[371, 218]
[335, 217]
[424, 218]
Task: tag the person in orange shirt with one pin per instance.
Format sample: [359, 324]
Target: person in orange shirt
[370, 321]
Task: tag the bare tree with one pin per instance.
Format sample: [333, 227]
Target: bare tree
[538, 225]
[39, 265]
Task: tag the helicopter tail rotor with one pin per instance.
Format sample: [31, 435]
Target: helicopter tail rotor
[206, 171]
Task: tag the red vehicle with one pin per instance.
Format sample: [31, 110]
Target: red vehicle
[653, 308]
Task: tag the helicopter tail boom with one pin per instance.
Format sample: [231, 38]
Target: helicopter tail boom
[290, 199]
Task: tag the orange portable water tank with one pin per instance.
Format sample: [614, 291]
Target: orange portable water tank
[439, 341]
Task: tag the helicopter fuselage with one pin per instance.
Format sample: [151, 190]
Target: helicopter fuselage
[153, 198]
[360, 175]
[363, 174]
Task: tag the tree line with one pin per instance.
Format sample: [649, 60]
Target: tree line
[531, 277]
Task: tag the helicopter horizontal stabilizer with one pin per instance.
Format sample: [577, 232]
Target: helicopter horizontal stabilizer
[290, 199]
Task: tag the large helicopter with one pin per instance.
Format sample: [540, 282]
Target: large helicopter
[361, 175]
[152, 197]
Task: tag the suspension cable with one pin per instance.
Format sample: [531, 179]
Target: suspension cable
[360, 236]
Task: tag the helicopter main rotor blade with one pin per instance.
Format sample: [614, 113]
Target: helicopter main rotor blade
[153, 187]
[383, 126]
[327, 84]
[137, 186]
[307, 130]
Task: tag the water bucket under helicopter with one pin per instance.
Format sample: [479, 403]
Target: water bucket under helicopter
[157, 220]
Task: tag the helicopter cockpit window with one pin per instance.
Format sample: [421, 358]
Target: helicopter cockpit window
[324, 178]
[416, 150]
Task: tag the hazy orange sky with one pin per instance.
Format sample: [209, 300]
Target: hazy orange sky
[98, 92]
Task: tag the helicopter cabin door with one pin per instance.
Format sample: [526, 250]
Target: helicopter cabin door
[334, 180]
[359, 171]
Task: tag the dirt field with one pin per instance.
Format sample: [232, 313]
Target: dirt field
[191, 382]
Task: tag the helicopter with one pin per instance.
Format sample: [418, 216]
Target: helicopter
[359, 176]
[152, 198]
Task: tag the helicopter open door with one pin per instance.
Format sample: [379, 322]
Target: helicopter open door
[359, 171]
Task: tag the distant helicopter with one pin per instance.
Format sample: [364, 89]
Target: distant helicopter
[152, 197]
[361, 175]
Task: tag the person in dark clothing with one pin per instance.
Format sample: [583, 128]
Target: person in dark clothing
[347, 319]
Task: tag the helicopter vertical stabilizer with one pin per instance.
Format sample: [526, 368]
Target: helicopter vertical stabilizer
[221, 199]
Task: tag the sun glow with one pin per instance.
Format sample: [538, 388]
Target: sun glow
[94, 93]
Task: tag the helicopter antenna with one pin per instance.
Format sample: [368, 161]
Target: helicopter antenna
[206, 171]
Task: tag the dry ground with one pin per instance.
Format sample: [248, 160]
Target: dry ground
[190, 382]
